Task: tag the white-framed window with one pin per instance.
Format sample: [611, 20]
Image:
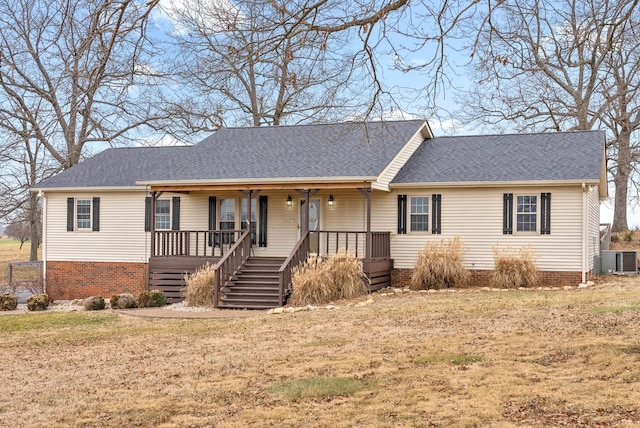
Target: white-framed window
[227, 214]
[419, 214]
[526, 213]
[163, 214]
[83, 214]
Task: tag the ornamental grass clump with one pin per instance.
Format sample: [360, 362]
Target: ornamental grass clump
[514, 268]
[347, 274]
[439, 265]
[318, 281]
[311, 283]
[200, 287]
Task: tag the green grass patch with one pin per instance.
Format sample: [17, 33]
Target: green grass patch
[456, 359]
[320, 387]
[616, 309]
[52, 321]
[10, 242]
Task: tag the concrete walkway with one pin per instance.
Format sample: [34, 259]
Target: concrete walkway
[209, 314]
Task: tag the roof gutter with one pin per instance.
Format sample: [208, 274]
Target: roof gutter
[87, 189]
[262, 181]
[467, 184]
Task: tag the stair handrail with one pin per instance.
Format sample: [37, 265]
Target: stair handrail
[230, 263]
[298, 255]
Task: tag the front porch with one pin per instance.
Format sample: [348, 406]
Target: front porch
[244, 280]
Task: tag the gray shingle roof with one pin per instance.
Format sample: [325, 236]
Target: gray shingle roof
[562, 156]
[345, 150]
[120, 167]
[261, 153]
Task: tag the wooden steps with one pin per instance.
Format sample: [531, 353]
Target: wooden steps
[255, 286]
[167, 274]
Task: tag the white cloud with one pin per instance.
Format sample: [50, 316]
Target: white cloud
[160, 141]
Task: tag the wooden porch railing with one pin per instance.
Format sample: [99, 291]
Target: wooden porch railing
[198, 243]
[229, 264]
[298, 255]
[327, 243]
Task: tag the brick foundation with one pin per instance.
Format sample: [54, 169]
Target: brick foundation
[77, 280]
[482, 278]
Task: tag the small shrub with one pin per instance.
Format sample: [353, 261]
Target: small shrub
[8, 302]
[514, 268]
[628, 236]
[93, 303]
[152, 299]
[200, 287]
[38, 302]
[123, 301]
[439, 265]
[33, 286]
[318, 281]
[615, 238]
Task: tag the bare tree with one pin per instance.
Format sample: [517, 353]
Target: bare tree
[254, 63]
[72, 73]
[20, 231]
[69, 68]
[563, 65]
[24, 163]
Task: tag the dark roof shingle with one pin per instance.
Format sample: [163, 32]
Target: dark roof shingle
[345, 150]
[262, 153]
[561, 156]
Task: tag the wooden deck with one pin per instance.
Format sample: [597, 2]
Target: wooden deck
[177, 253]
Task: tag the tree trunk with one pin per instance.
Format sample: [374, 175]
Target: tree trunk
[621, 182]
[34, 225]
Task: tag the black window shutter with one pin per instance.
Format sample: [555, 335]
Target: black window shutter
[96, 214]
[262, 230]
[175, 214]
[545, 214]
[213, 203]
[70, 214]
[507, 214]
[147, 214]
[435, 214]
[402, 214]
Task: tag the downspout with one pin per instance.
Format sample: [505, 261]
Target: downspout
[44, 240]
[585, 231]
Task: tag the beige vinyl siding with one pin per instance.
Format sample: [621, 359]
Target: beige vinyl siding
[282, 221]
[121, 237]
[594, 225]
[475, 215]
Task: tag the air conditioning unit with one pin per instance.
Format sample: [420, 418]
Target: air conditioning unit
[620, 262]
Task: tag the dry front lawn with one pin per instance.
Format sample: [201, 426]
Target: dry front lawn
[10, 251]
[505, 359]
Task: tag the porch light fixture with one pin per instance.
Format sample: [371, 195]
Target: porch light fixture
[289, 201]
[330, 200]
